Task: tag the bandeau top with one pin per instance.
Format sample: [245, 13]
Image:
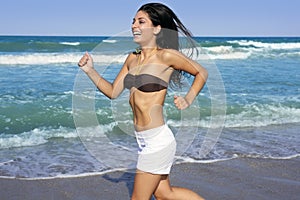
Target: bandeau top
[144, 82]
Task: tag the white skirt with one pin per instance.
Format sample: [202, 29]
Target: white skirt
[157, 148]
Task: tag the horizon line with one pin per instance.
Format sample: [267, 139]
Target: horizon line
[62, 35]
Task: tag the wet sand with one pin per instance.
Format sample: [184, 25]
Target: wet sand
[241, 178]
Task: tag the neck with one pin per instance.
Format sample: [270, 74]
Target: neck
[148, 51]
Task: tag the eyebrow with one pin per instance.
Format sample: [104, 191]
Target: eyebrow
[139, 18]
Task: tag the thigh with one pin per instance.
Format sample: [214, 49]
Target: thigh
[164, 189]
[145, 184]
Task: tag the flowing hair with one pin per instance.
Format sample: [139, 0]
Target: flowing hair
[168, 37]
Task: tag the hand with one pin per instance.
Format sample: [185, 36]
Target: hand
[180, 102]
[86, 62]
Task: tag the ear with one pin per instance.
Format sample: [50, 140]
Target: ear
[157, 29]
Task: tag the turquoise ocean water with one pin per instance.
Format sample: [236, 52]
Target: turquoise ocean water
[39, 138]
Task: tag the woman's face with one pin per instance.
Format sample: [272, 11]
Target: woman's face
[142, 29]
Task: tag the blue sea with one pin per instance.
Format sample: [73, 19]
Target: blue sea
[53, 122]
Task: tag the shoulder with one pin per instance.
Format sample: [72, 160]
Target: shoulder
[166, 53]
[130, 58]
[171, 56]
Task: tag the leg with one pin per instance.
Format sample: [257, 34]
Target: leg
[164, 191]
[144, 185]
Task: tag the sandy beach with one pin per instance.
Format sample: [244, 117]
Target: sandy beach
[241, 178]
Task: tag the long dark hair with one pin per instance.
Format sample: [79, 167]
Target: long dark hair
[168, 37]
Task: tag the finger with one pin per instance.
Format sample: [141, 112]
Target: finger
[181, 103]
[177, 103]
[81, 63]
[88, 55]
[83, 60]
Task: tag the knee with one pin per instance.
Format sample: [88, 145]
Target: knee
[163, 195]
[134, 197]
[139, 197]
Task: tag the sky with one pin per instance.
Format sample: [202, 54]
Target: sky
[110, 17]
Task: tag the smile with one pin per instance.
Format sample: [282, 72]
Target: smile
[136, 33]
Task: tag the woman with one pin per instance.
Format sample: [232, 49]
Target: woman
[146, 73]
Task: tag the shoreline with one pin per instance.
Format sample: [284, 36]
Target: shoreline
[239, 178]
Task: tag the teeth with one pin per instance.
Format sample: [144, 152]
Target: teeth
[136, 33]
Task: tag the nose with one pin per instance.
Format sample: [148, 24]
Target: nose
[134, 25]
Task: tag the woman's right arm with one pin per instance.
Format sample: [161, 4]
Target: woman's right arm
[111, 90]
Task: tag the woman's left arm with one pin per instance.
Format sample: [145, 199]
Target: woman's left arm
[179, 61]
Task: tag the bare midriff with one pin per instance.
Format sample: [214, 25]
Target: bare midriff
[147, 108]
